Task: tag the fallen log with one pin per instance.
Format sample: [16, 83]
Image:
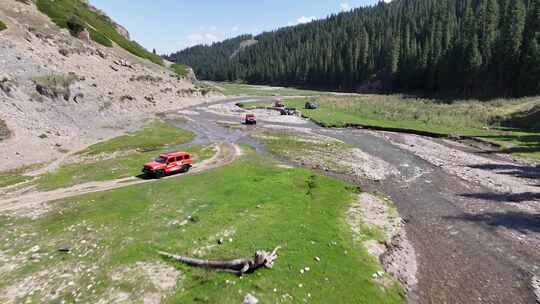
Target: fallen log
[238, 266]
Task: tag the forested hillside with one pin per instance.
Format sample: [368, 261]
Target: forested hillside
[463, 47]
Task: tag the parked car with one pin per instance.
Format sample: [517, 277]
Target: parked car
[311, 105]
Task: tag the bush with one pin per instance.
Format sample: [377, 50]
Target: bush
[75, 25]
[3, 26]
[4, 130]
[54, 86]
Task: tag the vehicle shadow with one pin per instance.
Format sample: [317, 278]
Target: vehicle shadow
[145, 177]
[522, 171]
[520, 221]
[504, 197]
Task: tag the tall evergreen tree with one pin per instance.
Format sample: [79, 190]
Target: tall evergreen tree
[471, 47]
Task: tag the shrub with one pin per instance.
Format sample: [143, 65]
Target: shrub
[3, 26]
[75, 25]
[54, 86]
[4, 130]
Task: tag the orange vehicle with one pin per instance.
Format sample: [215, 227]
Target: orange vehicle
[168, 163]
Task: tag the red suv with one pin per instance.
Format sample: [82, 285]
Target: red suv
[250, 119]
[168, 163]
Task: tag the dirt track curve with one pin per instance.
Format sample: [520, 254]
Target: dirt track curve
[225, 154]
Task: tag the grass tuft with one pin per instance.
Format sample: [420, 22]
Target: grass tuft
[3, 26]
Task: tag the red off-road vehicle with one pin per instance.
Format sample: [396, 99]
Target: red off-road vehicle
[168, 163]
[250, 119]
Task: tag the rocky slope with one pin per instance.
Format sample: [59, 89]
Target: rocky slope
[59, 93]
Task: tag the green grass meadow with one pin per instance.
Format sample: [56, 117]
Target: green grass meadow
[110, 169]
[151, 137]
[238, 89]
[484, 120]
[138, 148]
[115, 229]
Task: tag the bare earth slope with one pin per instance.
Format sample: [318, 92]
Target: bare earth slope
[59, 93]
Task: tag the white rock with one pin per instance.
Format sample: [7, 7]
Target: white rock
[250, 299]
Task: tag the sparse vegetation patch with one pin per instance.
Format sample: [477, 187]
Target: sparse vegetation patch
[4, 130]
[3, 26]
[100, 26]
[150, 138]
[181, 70]
[325, 154]
[54, 86]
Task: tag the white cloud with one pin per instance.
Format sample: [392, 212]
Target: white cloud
[345, 6]
[305, 19]
[200, 38]
[213, 28]
[235, 29]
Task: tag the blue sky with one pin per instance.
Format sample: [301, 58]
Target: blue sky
[171, 25]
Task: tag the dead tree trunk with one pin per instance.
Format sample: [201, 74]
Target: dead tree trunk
[238, 266]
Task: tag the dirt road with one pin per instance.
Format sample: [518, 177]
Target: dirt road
[34, 202]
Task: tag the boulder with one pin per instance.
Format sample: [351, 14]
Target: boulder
[122, 31]
[84, 35]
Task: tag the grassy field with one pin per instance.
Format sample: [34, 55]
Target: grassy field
[236, 89]
[109, 233]
[3, 26]
[151, 137]
[484, 120]
[110, 169]
[133, 150]
[101, 27]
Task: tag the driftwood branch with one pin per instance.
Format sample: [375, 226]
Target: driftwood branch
[238, 266]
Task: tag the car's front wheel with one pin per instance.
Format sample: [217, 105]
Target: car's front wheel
[159, 174]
